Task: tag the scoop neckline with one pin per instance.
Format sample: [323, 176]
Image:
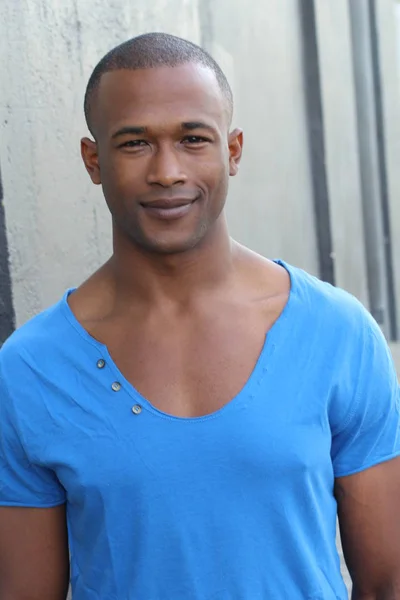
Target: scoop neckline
[273, 337]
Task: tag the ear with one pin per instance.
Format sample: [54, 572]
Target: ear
[90, 158]
[235, 144]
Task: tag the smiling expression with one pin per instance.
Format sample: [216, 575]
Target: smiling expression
[163, 154]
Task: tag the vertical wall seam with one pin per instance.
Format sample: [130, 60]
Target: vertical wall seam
[7, 315]
[383, 182]
[316, 140]
[368, 160]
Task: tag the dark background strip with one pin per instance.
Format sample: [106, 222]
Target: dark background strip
[7, 317]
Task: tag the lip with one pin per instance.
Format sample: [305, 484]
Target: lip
[168, 209]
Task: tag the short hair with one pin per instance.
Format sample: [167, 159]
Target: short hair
[149, 51]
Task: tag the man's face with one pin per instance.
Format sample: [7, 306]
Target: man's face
[163, 154]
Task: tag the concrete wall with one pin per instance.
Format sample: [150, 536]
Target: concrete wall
[262, 51]
[340, 130]
[388, 37]
[58, 228]
[57, 223]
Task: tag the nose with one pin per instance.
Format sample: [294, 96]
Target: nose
[165, 168]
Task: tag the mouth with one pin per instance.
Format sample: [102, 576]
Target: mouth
[169, 209]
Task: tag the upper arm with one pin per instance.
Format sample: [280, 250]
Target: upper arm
[34, 562]
[369, 519]
[366, 462]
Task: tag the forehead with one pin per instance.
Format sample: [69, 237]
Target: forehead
[158, 96]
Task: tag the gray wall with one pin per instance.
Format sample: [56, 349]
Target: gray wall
[57, 225]
[274, 185]
[58, 228]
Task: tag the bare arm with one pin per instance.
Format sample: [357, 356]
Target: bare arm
[369, 519]
[34, 562]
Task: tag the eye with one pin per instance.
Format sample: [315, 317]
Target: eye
[196, 139]
[133, 144]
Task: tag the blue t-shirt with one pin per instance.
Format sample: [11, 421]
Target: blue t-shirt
[236, 505]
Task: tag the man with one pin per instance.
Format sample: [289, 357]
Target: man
[193, 416]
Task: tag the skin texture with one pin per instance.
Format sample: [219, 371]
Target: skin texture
[173, 288]
[171, 158]
[368, 508]
[194, 305]
[33, 554]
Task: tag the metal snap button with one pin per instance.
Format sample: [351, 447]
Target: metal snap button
[137, 409]
[101, 363]
[116, 386]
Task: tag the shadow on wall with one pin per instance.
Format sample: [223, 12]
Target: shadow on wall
[6, 306]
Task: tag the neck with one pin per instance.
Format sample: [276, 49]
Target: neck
[156, 278]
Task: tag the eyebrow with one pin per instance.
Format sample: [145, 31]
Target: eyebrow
[138, 130]
[191, 125]
[129, 130]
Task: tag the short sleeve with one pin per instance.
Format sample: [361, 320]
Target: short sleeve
[21, 482]
[370, 433]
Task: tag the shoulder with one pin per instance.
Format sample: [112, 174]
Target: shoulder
[349, 348]
[330, 308]
[352, 353]
[37, 339]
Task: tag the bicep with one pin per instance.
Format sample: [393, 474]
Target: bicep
[34, 563]
[369, 519]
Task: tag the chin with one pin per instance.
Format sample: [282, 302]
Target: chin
[170, 249]
[166, 247]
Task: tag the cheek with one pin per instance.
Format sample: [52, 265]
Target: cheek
[213, 171]
[119, 177]
[218, 181]
[220, 176]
